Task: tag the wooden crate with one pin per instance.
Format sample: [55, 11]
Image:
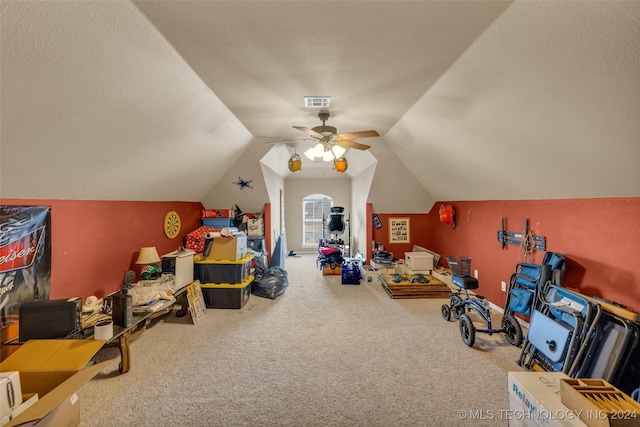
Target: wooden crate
[598, 403]
[328, 271]
[406, 289]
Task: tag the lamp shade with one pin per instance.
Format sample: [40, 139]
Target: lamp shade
[309, 154]
[328, 156]
[318, 150]
[148, 255]
[338, 151]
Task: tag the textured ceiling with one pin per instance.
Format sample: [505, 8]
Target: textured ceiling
[477, 100]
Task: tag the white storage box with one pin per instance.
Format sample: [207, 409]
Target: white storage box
[180, 264]
[534, 400]
[369, 274]
[418, 261]
[10, 391]
[384, 268]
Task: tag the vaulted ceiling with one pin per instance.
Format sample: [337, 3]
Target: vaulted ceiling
[476, 100]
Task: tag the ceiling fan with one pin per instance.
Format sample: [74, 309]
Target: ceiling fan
[329, 136]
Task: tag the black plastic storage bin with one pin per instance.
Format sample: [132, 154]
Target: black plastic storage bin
[227, 295]
[216, 271]
[255, 243]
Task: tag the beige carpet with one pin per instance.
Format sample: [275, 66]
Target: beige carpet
[321, 354]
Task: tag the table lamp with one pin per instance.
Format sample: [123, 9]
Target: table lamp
[149, 257]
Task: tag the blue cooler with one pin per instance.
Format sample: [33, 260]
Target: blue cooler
[350, 274]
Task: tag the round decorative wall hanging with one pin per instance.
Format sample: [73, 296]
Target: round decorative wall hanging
[171, 224]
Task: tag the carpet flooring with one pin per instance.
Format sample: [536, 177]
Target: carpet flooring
[321, 354]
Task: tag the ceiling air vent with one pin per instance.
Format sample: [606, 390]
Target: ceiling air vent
[317, 101]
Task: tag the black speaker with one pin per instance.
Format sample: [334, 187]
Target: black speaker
[122, 310]
[49, 319]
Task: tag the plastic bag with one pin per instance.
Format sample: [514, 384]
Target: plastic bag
[269, 282]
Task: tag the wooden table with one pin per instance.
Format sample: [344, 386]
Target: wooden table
[122, 336]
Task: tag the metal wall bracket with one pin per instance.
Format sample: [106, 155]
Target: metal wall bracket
[526, 239]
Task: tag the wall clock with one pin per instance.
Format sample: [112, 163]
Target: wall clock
[171, 224]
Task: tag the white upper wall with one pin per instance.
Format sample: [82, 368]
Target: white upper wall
[518, 100]
[544, 104]
[97, 105]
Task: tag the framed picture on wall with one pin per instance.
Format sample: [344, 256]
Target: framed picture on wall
[399, 230]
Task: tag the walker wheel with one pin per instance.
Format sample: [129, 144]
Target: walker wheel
[512, 330]
[446, 312]
[467, 330]
[457, 306]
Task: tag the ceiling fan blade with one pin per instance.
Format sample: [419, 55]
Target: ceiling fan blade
[361, 134]
[289, 141]
[352, 144]
[311, 132]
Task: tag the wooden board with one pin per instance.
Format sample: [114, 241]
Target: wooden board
[405, 289]
[598, 403]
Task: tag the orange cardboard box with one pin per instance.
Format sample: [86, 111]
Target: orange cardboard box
[55, 370]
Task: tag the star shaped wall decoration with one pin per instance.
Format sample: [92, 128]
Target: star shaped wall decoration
[244, 183]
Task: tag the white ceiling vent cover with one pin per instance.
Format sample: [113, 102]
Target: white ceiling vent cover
[317, 101]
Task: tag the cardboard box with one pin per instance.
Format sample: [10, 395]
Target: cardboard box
[28, 400]
[55, 370]
[228, 248]
[369, 274]
[218, 213]
[418, 261]
[385, 268]
[534, 399]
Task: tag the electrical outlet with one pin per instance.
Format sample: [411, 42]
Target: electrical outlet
[475, 273]
[504, 287]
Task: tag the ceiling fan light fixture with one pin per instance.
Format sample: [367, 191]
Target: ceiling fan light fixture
[318, 150]
[328, 156]
[341, 164]
[310, 154]
[338, 151]
[295, 164]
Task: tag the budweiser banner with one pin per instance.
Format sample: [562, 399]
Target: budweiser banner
[25, 256]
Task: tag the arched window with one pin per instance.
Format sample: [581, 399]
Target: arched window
[314, 208]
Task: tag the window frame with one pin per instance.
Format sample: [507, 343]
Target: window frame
[315, 198]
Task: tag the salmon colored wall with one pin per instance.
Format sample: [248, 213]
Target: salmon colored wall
[599, 237]
[94, 243]
[418, 233]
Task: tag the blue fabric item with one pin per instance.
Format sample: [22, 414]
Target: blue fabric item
[555, 260]
[525, 281]
[520, 301]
